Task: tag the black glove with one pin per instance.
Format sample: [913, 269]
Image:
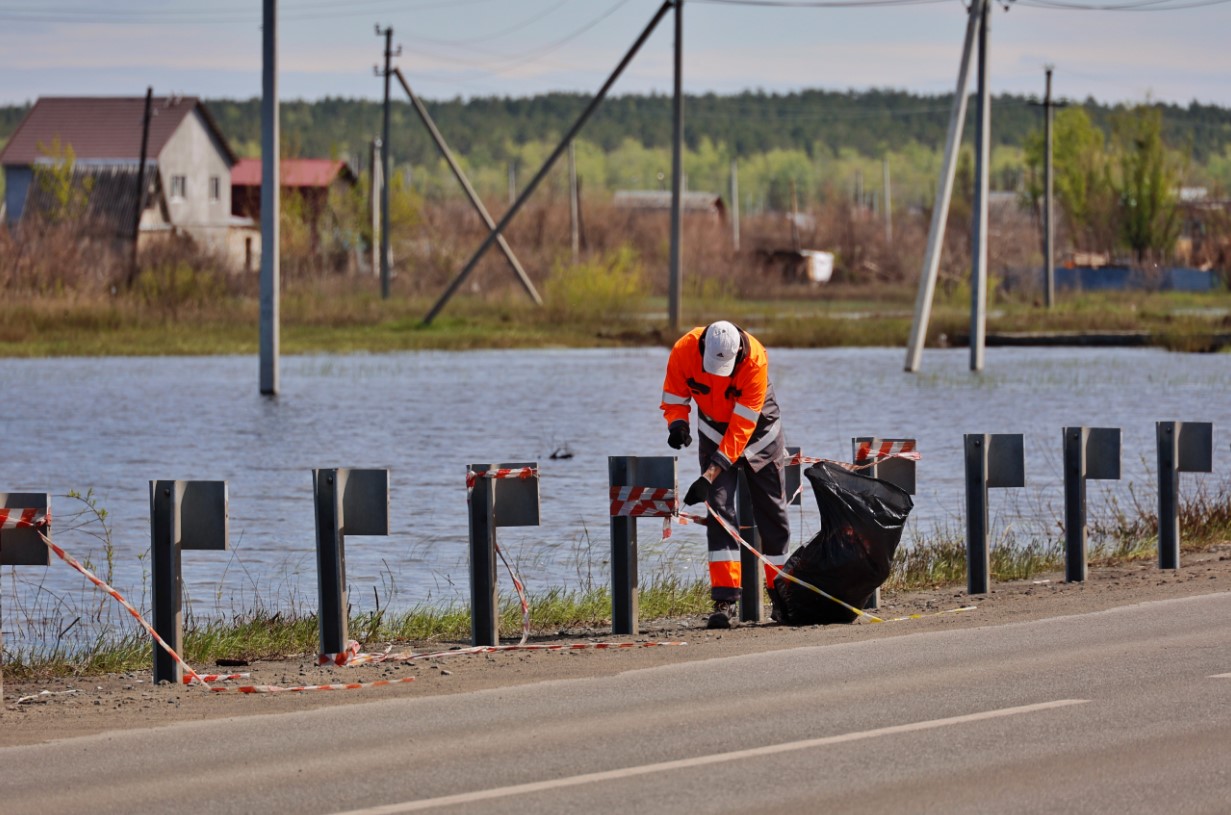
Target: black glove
[699, 492]
[678, 434]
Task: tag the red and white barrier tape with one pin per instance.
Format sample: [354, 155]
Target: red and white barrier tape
[872, 618]
[27, 519]
[642, 502]
[898, 448]
[380, 683]
[351, 656]
[193, 677]
[212, 678]
[734, 533]
[521, 597]
[472, 477]
[369, 659]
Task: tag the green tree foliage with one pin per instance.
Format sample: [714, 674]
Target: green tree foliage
[1146, 182]
[1082, 179]
[65, 197]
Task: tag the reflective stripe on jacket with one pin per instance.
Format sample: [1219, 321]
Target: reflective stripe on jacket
[736, 414]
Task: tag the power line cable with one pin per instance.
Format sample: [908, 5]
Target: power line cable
[821, 3]
[507, 62]
[1138, 6]
[503, 32]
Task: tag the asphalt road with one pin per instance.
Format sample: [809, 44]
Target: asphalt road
[1123, 711]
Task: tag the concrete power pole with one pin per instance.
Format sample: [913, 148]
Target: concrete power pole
[887, 202]
[677, 175]
[384, 164]
[377, 181]
[734, 205]
[270, 200]
[140, 205]
[978, 270]
[944, 193]
[1049, 224]
[574, 203]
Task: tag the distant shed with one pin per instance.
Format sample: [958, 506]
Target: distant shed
[691, 203]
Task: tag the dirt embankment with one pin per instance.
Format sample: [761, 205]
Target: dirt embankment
[38, 711]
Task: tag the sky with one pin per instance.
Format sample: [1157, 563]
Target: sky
[1166, 50]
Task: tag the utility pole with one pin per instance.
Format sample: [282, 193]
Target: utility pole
[978, 254]
[794, 218]
[271, 200]
[384, 163]
[140, 205]
[374, 202]
[1049, 225]
[734, 205]
[677, 174]
[944, 193]
[888, 201]
[574, 203]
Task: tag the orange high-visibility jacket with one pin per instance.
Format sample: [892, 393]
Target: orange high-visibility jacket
[737, 414]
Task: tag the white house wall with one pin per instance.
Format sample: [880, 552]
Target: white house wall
[194, 153]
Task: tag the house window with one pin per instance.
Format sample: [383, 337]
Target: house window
[179, 186]
[215, 188]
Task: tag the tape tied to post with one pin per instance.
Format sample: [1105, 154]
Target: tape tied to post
[28, 518]
[643, 502]
[472, 477]
[350, 656]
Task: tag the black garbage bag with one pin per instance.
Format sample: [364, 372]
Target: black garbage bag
[861, 525]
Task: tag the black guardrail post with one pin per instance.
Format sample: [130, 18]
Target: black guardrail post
[347, 502]
[183, 515]
[992, 460]
[494, 502]
[752, 576]
[1182, 447]
[1089, 452]
[640, 487]
[21, 546]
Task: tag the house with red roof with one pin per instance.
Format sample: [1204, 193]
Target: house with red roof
[186, 187]
[309, 178]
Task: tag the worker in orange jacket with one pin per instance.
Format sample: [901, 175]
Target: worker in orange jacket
[725, 370]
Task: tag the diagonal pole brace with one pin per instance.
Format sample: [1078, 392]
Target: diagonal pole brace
[465, 182]
[542, 173]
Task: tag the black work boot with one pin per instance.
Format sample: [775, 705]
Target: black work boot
[724, 612]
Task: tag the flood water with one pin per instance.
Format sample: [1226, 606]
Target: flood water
[112, 425]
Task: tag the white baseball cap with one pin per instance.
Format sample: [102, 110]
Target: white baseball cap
[721, 348]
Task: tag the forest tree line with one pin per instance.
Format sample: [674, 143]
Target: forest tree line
[822, 142]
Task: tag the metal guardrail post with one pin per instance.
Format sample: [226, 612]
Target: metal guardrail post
[1182, 447]
[992, 460]
[22, 547]
[752, 580]
[494, 502]
[1089, 452]
[348, 502]
[655, 473]
[183, 515]
[872, 451]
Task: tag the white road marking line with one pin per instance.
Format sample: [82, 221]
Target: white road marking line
[701, 761]
[1221, 676]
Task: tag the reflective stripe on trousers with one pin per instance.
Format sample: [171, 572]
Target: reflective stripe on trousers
[767, 490]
